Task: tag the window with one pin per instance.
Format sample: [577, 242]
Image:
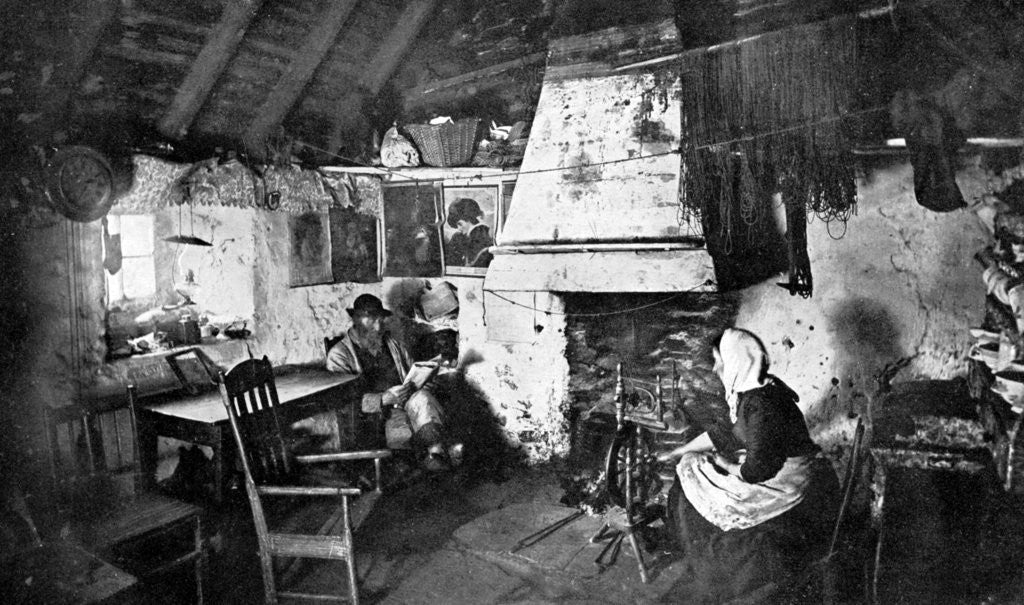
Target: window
[137, 275]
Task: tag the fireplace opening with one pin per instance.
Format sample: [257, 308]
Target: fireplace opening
[658, 338]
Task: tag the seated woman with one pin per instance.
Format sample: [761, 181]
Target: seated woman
[751, 517]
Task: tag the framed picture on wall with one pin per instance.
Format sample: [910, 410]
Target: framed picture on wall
[412, 239]
[471, 219]
[310, 258]
[355, 247]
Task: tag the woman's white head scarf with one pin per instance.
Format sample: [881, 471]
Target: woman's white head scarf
[744, 365]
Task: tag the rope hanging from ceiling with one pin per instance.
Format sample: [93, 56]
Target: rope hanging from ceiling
[764, 115]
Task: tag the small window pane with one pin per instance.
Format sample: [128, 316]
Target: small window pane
[136, 235]
[115, 287]
[139, 276]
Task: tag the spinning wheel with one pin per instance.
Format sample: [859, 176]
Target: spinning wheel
[630, 468]
[631, 479]
[631, 476]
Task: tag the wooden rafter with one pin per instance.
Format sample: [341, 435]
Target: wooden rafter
[397, 43]
[481, 79]
[207, 68]
[299, 72]
[90, 18]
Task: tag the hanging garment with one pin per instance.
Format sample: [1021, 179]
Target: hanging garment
[933, 141]
[111, 250]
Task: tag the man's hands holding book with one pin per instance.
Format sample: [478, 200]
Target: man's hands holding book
[419, 374]
[397, 395]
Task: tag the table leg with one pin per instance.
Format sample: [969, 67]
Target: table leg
[219, 489]
[224, 463]
[147, 447]
[198, 542]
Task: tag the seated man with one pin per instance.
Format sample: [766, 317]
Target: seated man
[370, 352]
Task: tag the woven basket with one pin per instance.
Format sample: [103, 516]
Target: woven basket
[451, 144]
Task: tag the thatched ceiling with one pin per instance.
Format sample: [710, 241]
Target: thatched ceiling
[314, 78]
[253, 75]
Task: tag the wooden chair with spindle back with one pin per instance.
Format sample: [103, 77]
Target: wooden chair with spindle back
[107, 504]
[250, 396]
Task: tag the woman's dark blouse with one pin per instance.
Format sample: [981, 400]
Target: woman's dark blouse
[770, 426]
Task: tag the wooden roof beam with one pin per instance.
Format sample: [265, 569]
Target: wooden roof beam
[90, 18]
[481, 79]
[207, 68]
[409, 23]
[299, 72]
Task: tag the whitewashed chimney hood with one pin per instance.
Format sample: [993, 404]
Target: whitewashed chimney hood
[586, 215]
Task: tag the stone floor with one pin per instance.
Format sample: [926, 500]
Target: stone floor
[447, 539]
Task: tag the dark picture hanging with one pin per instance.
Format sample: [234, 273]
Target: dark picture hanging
[310, 258]
[412, 245]
[471, 220]
[354, 247]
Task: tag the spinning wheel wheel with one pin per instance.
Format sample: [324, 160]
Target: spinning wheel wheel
[630, 468]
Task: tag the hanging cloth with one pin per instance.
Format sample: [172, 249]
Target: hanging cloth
[111, 250]
[933, 141]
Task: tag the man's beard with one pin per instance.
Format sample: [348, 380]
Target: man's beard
[369, 338]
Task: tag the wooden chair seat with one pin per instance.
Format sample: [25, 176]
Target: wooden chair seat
[147, 513]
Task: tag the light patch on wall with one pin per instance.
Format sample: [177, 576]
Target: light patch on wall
[510, 316]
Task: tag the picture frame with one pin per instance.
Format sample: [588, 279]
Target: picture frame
[472, 216]
[508, 187]
[412, 237]
[194, 370]
[355, 246]
[310, 247]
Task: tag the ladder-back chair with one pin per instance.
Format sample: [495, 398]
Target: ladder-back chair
[250, 397]
[110, 508]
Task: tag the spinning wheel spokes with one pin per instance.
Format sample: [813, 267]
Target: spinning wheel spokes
[631, 478]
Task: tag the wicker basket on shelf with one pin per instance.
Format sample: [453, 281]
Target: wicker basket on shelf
[450, 144]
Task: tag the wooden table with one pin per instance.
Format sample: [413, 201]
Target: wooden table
[62, 573]
[202, 419]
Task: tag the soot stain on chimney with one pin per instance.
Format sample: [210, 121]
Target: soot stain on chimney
[583, 173]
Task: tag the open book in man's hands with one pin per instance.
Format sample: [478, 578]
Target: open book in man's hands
[422, 371]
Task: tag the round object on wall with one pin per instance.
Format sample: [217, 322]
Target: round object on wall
[80, 183]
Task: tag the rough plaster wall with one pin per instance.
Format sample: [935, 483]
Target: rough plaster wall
[290, 323]
[524, 384]
[900, 286]
[224, 272]
[596, 124]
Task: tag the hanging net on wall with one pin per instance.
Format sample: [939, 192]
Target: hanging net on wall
[765, 115]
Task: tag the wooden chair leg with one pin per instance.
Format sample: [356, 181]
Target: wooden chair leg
[198, 537]
[350, 561]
